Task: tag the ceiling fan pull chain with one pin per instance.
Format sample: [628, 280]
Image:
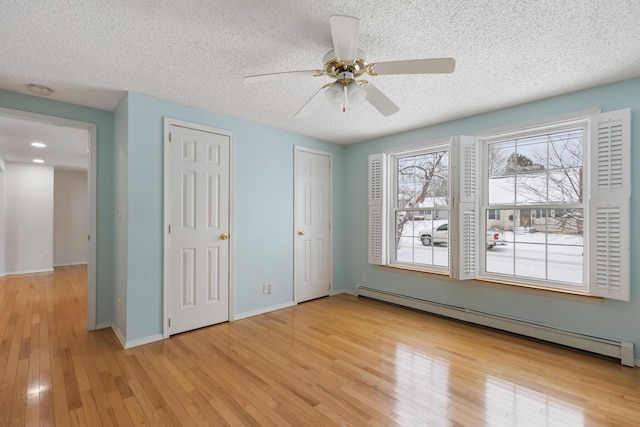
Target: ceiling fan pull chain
[344, 102]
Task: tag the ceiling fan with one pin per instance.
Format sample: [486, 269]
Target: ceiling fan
[346, 64]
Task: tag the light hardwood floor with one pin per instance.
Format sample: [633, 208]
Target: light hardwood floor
[333, 361]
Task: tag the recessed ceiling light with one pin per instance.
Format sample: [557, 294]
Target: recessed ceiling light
[38, 144]
[38, 161]
[40, 90]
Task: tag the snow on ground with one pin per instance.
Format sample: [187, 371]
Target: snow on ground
[526, 254]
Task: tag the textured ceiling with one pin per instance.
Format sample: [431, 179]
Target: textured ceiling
[196, 52]
[66, 147]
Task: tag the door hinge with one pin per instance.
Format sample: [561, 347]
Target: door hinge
[329, 226]
[169, 228]
[169, 321]
[169, 136]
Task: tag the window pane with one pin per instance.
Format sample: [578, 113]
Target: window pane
[422, 180]
[498, 153]
[532, 188]
[423, 239]
[530, 260]
[500, 259]
[565, 167]
[540, 243]
[566, 263]
[540, 169]
[501, 182]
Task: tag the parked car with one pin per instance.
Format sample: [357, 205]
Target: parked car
[437, 235]
[440, 235]
[495, 238]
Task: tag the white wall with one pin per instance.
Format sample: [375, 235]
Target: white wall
[29, 218]
[70, 217]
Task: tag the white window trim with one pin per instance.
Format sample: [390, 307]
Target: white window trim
[566, 123]
[601, 197]
[389, 208]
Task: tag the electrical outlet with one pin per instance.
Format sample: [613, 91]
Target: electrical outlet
[364, 278]
[270, 287]
[42, 257]
[265, 288]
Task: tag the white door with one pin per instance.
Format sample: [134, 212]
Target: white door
[312, 224]
[198, 235]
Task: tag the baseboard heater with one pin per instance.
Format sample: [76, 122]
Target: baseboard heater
[617, 349]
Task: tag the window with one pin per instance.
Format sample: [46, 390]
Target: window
[420, 236]
[529, 175]
[493, 214]
[544, 206]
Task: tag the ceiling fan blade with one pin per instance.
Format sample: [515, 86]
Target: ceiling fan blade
[380, 101]
[310, 106]
[416, 66]
[272, 77]
[345, 32]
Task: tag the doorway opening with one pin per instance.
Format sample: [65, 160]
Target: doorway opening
[71, 161]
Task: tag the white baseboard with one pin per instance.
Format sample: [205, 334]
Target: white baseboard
[42, 270]
[263, 310]
[623, 350]
[103, 325]
[69, 264]
[119, 335]
[344, 291]
[134, 343]
[142, 341]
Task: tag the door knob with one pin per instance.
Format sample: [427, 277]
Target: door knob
[300, 232]
[224, 236]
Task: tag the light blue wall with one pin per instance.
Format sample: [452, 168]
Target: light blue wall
[263, 213]
[121, 131]
[263, 210]
[105, 183]
[608, 318]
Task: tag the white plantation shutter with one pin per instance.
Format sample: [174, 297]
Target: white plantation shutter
[465, 261]
[467, 248]
[469, 156]
[375, 235]
[609, 212]
[376, 217]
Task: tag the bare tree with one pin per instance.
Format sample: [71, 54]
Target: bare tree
[496, 161]
[420, 177]
[562, 182]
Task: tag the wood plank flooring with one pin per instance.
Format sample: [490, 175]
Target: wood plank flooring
[334, 361]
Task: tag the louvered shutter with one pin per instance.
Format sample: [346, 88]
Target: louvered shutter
[609, 212]
[465, 262]
[376, 217]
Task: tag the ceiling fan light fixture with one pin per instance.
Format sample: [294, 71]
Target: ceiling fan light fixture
[335, 93]
[355, 93]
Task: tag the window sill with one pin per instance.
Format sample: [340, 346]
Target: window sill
[408, 268]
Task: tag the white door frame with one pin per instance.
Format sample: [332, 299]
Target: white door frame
[93, 192]
[166, 290]
[298, 149]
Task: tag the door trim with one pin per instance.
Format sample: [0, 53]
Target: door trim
[93, 194]
[298, 149]
[166, 289]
